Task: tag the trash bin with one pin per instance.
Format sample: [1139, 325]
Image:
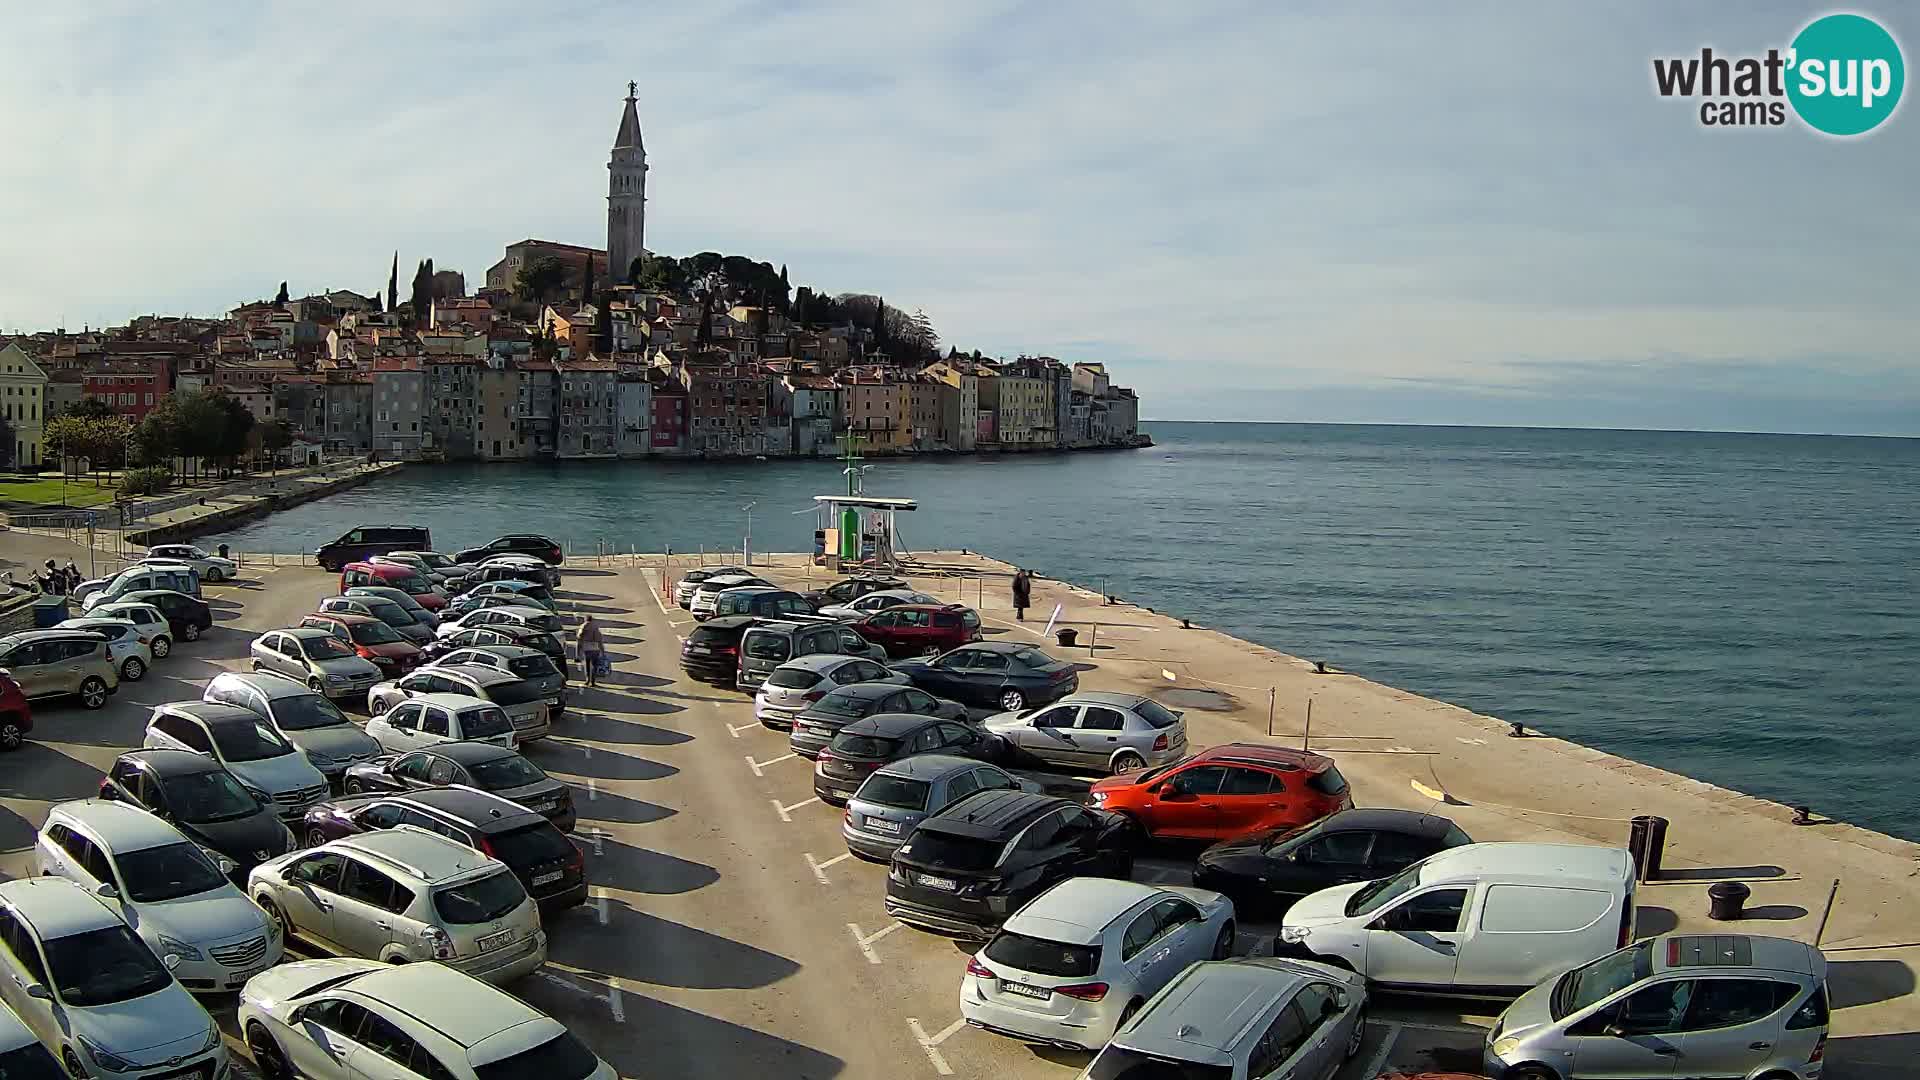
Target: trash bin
[1726, 900]
[1647, 840]
[1066, 636]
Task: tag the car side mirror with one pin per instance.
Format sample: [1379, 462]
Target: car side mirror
[39, 991]
[107, 892]
[1335, 1004]
[1614, 1031]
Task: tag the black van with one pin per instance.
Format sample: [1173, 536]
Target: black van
[369, 540]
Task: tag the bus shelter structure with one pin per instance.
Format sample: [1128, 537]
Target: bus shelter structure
[858, 530]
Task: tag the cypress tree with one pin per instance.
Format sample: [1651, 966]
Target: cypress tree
[393, 284]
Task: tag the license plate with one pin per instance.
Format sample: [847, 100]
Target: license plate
[548, 879]
[701, 649]
[490, 942]
[892, 828]
[941, 883]
[812, 730]
[1022, 989]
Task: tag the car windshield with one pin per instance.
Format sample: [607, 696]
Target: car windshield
[562, 1057]
[1154, 713]
[1376, 894]
[1043, 957]
[207, 797]
[532, 667]
[945, 850]
[1150, 775]
[517, 692]
[30, 1062]
[168, 872]
[326, 648]
[412, 583]
[387, 611]
[305, 712]
[1584, 986]
[484, 723]
[792, 678]
[249, 742]
[869, 746]
[898, 792]
[101, 967]
[506, 772]
[1120, 1063]
[543, 641]
[768, 646]
[481, 900]
[374, 633]
[529, 845]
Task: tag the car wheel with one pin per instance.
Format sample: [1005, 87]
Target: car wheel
[190, 632]
[93, 693]
[315, 838]
[1358, 1036]
[1223, 945]
[72, 1061]
[213, 574]
[278, 918]
[1127, 1013]
[1012, 701]
[1127, 761]
[267, 1054]
[133, 670]
[313, 685]
[162, 645]
[10, 734]
[1532, 1072]
[351, 787]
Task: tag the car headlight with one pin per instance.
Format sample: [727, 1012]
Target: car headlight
[337, 678]
[257, 793]
[383, 661]
[107, 1061]
[171, 946]
[1099, 797]
[1293, 935]
[1503, 1047]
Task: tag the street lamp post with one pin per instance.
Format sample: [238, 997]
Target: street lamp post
[746, 547]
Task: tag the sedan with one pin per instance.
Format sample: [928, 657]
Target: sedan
[815, 727]
[532, 618]
[544, 548]
[383, 609]
[1269, 870]
[683, 588]
[866, 745]
[313, 656]
[895, 798]
[800, 682]
[1102, 733]
[879, 600]
[210, 567]
[485, 766]
[1076, 962]
[994, 674]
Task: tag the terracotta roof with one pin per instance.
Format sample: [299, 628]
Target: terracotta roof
[396, 363]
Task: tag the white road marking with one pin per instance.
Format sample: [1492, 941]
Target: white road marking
[593, 789]
[612, 997]
[597, 838]
[820, 868]
[600, 906]
[1401, 750]
[1379, 1057]
[735, 729]
[786, 811]
[757, 766]
[865, 941]
[1470, 742]
[931, 1045]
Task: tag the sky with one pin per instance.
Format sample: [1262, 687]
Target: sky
[1377, 212]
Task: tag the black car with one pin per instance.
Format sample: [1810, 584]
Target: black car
[186, 617]
[814, 728]
[712, 652]
[1271, 869]
[1003, 675]
[194, 794]
[477, 765]
[545, 548]
[968, 867]
[499, 634]
[866, 745]
[356, 545]
[548, 865]
[853, 588]
[531, 575]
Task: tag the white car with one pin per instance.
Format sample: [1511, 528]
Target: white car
[148, 621]
[689, 581]
[533, 618]
[530, 709]
[261, 758]
[438, 718]
[21, 1055]
[453, 1026]
[131, 655]
[707, 593]
[1081, 958]
[203, 929]
[877, 601]
[210, 567]
[91, 988]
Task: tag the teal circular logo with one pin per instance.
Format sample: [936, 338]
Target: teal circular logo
[1847, 74]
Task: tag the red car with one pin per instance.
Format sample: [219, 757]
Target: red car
[405, 578]
[372, 639]
[1228, 791]
[920, 629]
[16, 717]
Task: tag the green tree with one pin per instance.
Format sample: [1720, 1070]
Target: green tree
[6, 442]
[393, 284]
[586, 284]
[200, 424]
[91, 408]
[280, 298]
[781, 299]
[881, 338]
[158, 437]
[275, 437]
[541, 278]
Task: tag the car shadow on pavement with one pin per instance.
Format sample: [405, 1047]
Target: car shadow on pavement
[1852, 983]
[1651, 920]
[575, 608]
[36, 771]
[607, 808]
[666, 953]
[594, 699]
[637, 869]
[569, 594]
[16, 832]
[599, 727]
[577, 759]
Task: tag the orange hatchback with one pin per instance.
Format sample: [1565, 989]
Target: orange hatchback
[1228, 791]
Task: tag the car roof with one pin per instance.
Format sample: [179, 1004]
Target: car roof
[469, 804]
[480, 673]
[815, 662]
[928, 767]
[511, 652]
[1736, 951]
[57, 907]
[1207, 1010]
[1273, 757]
[726, 622]
[1078, 910]
[82, 622]
[425, 854]
[273, 686]
[346, 618]
[470, 753]
[25, 636]
[456, 702]
[1106, 697]
[210, 713]
[866, 689]
[305, 633]
[169, 762]
[891, 724]
[926, 607]
[138, 593]
[444, 1000]
[1564, 865]
[119, 826]
[1371, 819]
[1008, 647]
[751, 590]
[991, 815]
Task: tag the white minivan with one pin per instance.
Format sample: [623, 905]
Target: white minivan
[1478, 919]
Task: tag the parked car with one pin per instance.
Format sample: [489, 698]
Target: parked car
[919, 629]
[518, 660]
[315, 657]
[877, 600]
[16, 715]
[193, 918]
[544, 548]
[148, 621]
[439, 568]
[459, 1028]
[187, 617]
[405, 894]
[304, 717]
[530, 843]
[795, 685]
[525, 568]
[438, 718]
[529, 705]
[707, 593]
[822, 720]
[525, 591]
[968, 867]
[1083, 956]
[1095, 732]
[142, 577]
[1720, 1005]
[866, 744]
[377, 607]
[79, 977]
[763, 601]
[1002, 675]
[356, 544]
[711, 652]
[197, 795]
[249, 747]
[1251, 1018]
[531, 617]
[210, 567]
[403, 579]
[21, 1055]
[769, 643]
[131, 656]
[1274, 867]
[483, 766]
[486, 636]
[1484, 918]
[421, 612]
[850, 589]
[61, 663]
[1229, 790]
[372, 640]
[895, 798]
[687, 582]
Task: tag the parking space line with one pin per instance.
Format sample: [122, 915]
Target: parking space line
[757, 766]
[600, 905]
[820, 868]
[597, 838]
[785, 812]
[735, 729]
[593, 789]
[1379, 1057]
[866, 941]
[931, 1044]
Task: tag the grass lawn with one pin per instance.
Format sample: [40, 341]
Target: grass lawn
[46, 490]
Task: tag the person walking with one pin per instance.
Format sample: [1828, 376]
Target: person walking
[1022, 594]
[592, 649]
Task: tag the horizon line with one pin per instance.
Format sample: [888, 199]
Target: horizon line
[1541, 427]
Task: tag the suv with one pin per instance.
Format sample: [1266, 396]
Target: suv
[315, 657]
[438, 718]
[853, 588]
[16, 716]
[920, 629]
[546, 862]
[307, 719]
[56, 663]
[140, 577]
[766, 601]
[767, 645]
[250, 748]
[374, 640]
[707, 593]
[518, 588]
[529, 664]
[530, 706]
[967, 868]
[1228, 791]
[685, 583]
[405, 580]
[483, 766]
[711, 652]
[130, 654]
[357, 544]
[205, 802]
[544, 548]
[404, 894]
[187, 617]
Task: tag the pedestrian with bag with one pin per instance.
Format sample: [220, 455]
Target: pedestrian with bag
[1022, 594]
[592, 649]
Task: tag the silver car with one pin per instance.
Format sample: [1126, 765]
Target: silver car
[148, 621]
[381, 608]
[1095, 732]
[896, 797]
[316, 658]
[308, 720]
[210, 567]
[533, 618]
[799, 683]
[877, 601]
[399, 596]
[528, 704]
[1687, 1005]
[130, 653]
[689, 581]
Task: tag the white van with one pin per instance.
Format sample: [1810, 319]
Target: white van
[177, 577]
[1478, 919]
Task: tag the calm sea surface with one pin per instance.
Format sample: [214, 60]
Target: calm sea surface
[1740, 608]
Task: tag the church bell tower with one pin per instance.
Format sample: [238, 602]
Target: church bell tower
[626, 195]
